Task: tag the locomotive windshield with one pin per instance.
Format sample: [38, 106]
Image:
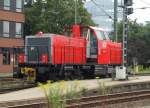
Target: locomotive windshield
[101, 35]
[36, 47]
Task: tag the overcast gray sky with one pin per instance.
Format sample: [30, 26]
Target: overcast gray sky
[141, 15]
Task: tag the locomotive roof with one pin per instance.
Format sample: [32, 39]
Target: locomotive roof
[97, 28]
[44, 34]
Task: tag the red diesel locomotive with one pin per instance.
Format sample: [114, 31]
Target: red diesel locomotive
[87, 52]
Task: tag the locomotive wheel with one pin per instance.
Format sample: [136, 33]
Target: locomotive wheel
[89, 73]
[53, 73]
[67, 75]
[77, 74]
[73, 75]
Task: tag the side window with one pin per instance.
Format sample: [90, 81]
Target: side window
[107, 35]
[18, 30]
[18, 5]
[6, 28]
[103, 35]
[85, 33]
[6, 56]
[6, 4]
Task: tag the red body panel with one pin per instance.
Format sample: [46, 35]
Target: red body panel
[103, 52]
[44, 58]
[21, 58]
[76, 31]
[109, 52]
[66, 50]
[116, 53]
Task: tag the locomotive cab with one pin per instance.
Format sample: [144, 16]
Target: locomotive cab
[93, 36]
[99, 48]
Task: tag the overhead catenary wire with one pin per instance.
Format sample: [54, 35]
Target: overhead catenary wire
[107, 14]
[145, 2]
[142, 8]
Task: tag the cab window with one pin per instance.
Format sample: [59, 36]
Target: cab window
[100, 34]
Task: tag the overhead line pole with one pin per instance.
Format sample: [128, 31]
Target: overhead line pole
[127, 10]
[116, 19]
[115, 26]
[75, 11]
[125, 31]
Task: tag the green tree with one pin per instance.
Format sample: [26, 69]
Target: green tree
[138, 41]
[53, 15]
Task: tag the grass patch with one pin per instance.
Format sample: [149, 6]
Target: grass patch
[102, 89]
[57, 93]
[140, 69]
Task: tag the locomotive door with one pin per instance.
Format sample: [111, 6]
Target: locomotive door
[92, 46]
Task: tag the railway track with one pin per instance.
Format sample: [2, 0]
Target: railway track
[30, 105]
[11, 84]
[95, 101]
[92, 101]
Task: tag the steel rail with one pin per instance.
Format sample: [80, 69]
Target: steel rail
[30, 105]
[10, 84]
[91, 98]
[94, 101]
[108, 101]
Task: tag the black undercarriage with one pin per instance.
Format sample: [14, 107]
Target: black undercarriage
[46, 72]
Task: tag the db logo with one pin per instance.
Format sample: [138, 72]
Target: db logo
[104, 45]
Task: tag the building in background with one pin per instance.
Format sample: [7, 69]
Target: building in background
[11, 33]
[103, 12]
